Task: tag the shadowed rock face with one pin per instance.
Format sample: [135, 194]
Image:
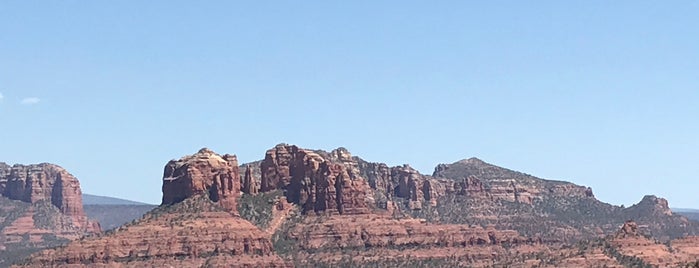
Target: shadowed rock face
[46, 183]
[249, 183]
[318, 182]
[203, 172]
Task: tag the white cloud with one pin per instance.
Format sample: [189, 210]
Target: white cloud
[1, 96]
[30, 101]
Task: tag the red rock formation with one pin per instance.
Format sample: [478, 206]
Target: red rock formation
[47, 183]
[203, 172]
[676, 253]
[411, 185]
[276, 168]
[508, 185]
[629, 229]
[314, 182]
[379, 177]
[654, 205]
[192, 233]
[373, 230]
[378, 238]
[249, 183]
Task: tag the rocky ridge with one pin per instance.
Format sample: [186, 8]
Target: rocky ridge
[337, 209]
[203, 172]
[469, 191]
[197, 225]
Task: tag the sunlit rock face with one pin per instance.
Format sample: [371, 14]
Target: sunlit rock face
[203, 172]
[46, 183]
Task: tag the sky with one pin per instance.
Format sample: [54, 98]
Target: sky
[600, 93]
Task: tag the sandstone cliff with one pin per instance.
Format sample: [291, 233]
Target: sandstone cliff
[469, 191]
[49, 183]
[40, 206]
[203, 173]
[196, 226]
[314, 181]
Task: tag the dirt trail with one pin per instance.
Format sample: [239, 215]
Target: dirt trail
[280, 213]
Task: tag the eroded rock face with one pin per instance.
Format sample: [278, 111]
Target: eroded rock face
[46, 183]
[377, 238]
[249, 183]
[383, 231]
[653, 204]
[204, 172]
[504, 184]
[321, 183]
[629, 229]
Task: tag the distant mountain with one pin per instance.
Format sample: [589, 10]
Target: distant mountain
[681, 210]
[89, 199]
[112, 212]
[113, 216]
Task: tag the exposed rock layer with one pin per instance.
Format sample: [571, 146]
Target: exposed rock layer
[192, 233]
[203, 173]
[46, 183]
[315, 182]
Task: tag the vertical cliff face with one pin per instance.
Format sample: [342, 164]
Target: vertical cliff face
[319, 182]
[204, 172]
[49, 183]
[249, 184]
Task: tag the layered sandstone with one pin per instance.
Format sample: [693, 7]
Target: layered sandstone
[373, 230]
[372, 238]
[314, 182]
[507, 185]
[46, 183]
[203, 173]
[192, 233]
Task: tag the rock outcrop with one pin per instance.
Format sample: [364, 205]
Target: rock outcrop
[46, 183]
[40, 206]
[629, 229]
[651, 204]
[630, 241]
[504, 184]
[314, 181]
[373, 238]
[204, 172]
[196, 226]
[249, 183]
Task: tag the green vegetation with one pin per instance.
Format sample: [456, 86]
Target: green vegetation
[46, 215]
[628, 261]
[349, 261]
[283, 244]
[257, 208]
[11, 210]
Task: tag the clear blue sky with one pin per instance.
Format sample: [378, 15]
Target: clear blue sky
[600, 93]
